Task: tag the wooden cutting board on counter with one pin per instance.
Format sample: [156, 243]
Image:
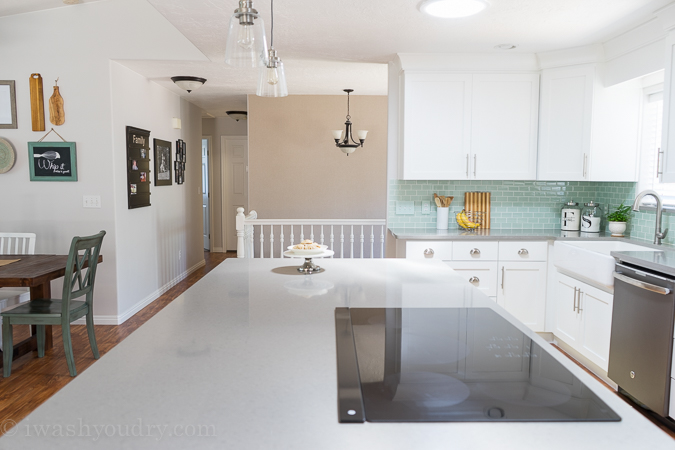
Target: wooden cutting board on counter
[37, 102]
[477, 207]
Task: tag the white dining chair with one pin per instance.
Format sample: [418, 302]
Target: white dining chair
[15, 244]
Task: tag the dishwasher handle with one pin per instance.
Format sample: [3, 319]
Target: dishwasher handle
[642, 284]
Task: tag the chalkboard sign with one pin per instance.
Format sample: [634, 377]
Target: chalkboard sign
[138, 167]
[52, 161]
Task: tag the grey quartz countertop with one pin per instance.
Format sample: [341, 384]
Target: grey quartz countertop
[245, 359]
[661, 261]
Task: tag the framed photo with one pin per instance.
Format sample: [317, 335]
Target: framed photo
[52, 161]
[7, 104]
[138, 167]
[179, 164]
[162, 163]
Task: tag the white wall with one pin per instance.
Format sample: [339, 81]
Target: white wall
[156, 245]
[76, 44]
[217, 127]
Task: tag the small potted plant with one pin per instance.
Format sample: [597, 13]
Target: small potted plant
[617, 220]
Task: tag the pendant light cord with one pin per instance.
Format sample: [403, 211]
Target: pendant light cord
[348, 116]
[272, 28]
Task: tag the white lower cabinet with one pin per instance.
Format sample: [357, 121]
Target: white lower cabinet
[522, 291]
[584, 318]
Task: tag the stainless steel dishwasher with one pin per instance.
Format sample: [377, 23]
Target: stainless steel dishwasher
[641, 344]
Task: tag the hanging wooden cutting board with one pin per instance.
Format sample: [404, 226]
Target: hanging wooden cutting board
[57, 115]
[37, 102]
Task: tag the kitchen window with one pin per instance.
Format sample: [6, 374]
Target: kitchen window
[649, 176]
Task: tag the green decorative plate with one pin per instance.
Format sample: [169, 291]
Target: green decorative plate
[7, 156]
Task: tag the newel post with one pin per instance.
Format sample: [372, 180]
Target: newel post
[241, 251]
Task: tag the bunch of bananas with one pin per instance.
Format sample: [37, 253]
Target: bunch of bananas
[464, 221]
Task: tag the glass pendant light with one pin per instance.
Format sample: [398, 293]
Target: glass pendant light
[272, 79]
[246, 41]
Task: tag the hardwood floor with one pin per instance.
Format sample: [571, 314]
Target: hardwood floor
[34, 380]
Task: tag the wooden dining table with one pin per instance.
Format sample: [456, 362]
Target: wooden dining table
[36, 273]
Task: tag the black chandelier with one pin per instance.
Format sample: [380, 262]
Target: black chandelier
[344, 144]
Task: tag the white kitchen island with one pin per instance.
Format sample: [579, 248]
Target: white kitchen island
[245, 359]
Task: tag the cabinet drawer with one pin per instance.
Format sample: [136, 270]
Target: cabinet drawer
[441, 250]
[523, 251]
[475, 251]
[482, 274]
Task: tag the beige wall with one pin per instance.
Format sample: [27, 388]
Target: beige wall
[295, 170]
[215, 128]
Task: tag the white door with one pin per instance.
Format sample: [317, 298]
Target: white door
[504, 122]
[235, 185]
[206, 194]
[565, 123]
[522, 292]
[436, 126]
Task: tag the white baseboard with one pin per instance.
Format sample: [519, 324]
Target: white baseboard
[218, 250]
[120, 319]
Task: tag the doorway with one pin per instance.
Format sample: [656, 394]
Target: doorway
[206, 191]
[235, 184]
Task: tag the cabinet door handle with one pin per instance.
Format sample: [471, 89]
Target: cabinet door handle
[579, 302]
[523, 252]
[659, 172]
[474, 251]
[474, 280]
[502, 278]
[429, 253]
[585, 164]
[574, 302]
[467, 165]
[474, 166]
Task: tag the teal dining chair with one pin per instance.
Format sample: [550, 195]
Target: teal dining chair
[78, 281]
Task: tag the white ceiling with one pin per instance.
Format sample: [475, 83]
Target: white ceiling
[329, 45]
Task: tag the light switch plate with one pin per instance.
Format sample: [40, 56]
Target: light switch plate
[91, 201]
[426, 207]
[403, 208]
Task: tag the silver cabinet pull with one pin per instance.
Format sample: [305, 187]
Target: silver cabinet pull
[429, 253]
[642, 284]
[579, 302]
[502, 278]
[474, 251]
[474, 280]
[585, 164]
[474, 166]
[574, 302]
[659, 172]
[523, 252]
[467, 165]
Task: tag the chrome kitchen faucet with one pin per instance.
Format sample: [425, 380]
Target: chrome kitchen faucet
[658, 235]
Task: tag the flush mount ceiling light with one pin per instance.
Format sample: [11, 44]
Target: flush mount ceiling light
[237, 115]
[189, 83]
[450, 9]
[272, 78]
[505, 47]
[246, 42]
[71, 2]
[344, 145]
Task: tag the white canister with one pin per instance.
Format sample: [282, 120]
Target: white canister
[591, 216]
[570, 217]
[442, 218]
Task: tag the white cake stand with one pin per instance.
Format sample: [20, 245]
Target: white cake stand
[309, 267]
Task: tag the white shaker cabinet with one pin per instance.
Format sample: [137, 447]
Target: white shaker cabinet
[504, 121]
[468, 127]
[584, 318]
[587, 132]
[435, 126]
[522, 291]
[668, 133]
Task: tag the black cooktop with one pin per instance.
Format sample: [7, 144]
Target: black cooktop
[451, 365]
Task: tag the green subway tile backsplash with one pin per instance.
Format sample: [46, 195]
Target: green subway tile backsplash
[521, 204]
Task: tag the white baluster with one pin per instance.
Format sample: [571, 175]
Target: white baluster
[311, 233]
[239, 225]
[321, 235]
[372, 241]
[342, 241]
[249, 241]
[351, 242]
[332, 240]
[281, 245]
[302, 233]
[262, 241]
[361, 237]
[271, 241]
[382, 241]
[292, 236]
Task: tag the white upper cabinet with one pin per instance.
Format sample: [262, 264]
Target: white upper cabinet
[668, 133]
[504, 119]
[468, 127]
[436, 126]
[587, 132]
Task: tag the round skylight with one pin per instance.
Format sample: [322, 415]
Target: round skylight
[450, 9]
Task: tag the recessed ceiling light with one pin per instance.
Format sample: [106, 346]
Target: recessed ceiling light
[449, 9]
[505, 47]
